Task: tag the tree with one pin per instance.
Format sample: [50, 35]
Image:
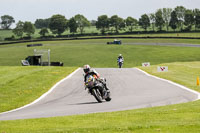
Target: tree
[6, 21]
[152, 19]
[131, 22]
[144, 21]
[72, 25]
[117, 22]
[159, 19]
[167, 16]
[28, 28]
[197, 18]
[82, 22]
[93, 22]
[58, 24]
[180, 11]
[42, 23]
[189, 19]
[18, 31]
[173, 21]
[43, 32]
[102, 23]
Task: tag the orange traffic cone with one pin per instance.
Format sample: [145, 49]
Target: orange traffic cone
[197, 80]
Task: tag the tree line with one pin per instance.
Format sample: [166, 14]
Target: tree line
[179, 18]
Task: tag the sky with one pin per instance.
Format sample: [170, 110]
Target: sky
[30, 10]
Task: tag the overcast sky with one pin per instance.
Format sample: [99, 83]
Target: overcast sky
[30, 10]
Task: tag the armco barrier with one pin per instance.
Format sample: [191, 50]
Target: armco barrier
[33, 45]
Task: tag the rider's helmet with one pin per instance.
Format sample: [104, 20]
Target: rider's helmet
[86, 68]
[120, 55]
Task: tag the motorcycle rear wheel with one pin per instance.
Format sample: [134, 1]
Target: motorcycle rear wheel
[108, 97]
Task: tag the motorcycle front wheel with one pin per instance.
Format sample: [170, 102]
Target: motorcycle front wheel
[120, 65]
[97, 94]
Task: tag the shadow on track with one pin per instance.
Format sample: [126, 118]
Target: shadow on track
[86, 103]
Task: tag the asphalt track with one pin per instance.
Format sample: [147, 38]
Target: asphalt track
[130, 89]
[167, 44]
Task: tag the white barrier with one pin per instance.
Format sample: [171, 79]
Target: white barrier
[162, 68]
[146, 64]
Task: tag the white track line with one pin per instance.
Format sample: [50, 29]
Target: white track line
[181, 86]
[44, 95]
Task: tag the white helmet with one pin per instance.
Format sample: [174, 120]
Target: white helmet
[86, 68]
[120, 54]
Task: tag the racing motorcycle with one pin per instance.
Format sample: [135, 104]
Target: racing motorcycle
[120, 62]
[97, 88]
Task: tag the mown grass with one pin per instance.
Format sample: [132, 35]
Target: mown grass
[184, 73]
[4, 34]
[98, 54]
[180, 118]
[22, 85]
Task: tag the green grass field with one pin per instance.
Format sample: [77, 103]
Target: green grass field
[98, 54]
[4, 34]
[183, 63]
[22, 85]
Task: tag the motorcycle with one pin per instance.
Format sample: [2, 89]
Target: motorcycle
[120, 62]
[97, 88]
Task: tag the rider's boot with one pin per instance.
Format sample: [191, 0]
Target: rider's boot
[106, 87]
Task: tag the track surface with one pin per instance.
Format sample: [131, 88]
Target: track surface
[130, 89]
[167, 44]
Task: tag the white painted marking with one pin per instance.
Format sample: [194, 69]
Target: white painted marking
[44, 95]
[171, 82]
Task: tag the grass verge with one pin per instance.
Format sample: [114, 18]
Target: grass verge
[22, 85]
[180, 118]
[184, 73]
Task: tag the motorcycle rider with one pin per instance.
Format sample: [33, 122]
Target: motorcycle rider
[89, 71]
[120, 59]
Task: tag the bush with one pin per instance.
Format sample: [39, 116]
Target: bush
[10, 38]
[27, 38]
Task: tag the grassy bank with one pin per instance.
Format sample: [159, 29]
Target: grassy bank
[183, 73]
[180, 118]
[98, 54]
[22, 85]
